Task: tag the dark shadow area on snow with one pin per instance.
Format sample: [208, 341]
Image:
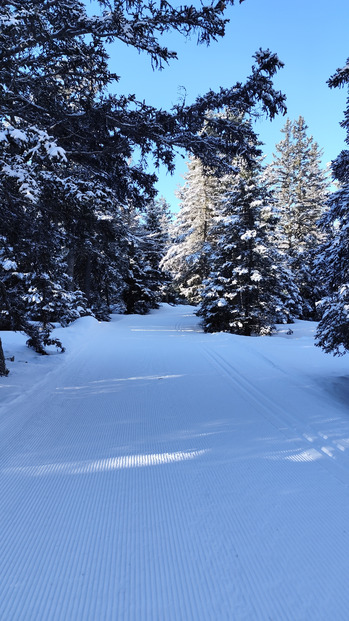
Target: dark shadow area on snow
[337, 387]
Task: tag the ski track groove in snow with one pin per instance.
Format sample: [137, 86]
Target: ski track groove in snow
[283, 421]
[150, 479]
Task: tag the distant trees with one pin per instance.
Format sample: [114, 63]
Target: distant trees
[157, 230]
[144, 278]
[333, 329]
[73, 156]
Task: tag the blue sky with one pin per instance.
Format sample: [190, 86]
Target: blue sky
[309, 36]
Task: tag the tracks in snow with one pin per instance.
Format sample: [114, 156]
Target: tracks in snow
[313, 445]
[142, 487]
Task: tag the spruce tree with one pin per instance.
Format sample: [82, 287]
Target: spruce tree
[144, 279]
[67, 140]
[300, 190]
[248, 288]
[333, 329]
[157, 225]
[188, 257]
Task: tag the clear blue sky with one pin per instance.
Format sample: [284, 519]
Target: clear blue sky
[309, 36]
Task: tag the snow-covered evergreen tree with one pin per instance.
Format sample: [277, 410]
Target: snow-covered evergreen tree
[157, 226]
[62, 135]
[300, 189]
[188, 258]
[333, 329]
[248, 288]
[145, 280]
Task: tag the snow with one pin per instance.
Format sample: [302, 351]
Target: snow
[256, 276]
[53, 150]
[7, 264]
[250, 234]
[14, 172]
[155, 472]
[17, 134]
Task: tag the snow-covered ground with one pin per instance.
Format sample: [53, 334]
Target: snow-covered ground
[156, 473]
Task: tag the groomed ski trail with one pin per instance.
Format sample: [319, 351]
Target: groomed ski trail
[161, 474]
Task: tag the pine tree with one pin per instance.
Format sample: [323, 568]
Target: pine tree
[64, 140]
[188, 258]
[157, 225]
[248, 289]
[300, 189]
[142, 278]
[333, 329]
[145, 280]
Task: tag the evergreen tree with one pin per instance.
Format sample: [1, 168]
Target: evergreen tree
[248, 289]
[157, 226]
[65, 142]
[333, 329]
[300, 190]
[188, 258]
[144, 279]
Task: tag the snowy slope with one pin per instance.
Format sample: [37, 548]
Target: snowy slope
[157, 473]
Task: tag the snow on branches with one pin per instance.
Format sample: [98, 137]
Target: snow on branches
[63, 128]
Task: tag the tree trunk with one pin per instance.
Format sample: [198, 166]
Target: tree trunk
[88, 277]
[71, 267]
[3, 370]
